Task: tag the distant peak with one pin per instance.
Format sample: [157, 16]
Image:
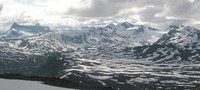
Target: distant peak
[14, 25]
[126, 24]
[152, 28]
[180, 28]
[110, 26]
[38, 24]
[174, 26]
[29, 28]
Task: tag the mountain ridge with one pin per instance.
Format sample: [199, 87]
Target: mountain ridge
[121, 34]
[23, 31]
[116, 55]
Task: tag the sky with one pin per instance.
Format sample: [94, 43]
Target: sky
[155, 13]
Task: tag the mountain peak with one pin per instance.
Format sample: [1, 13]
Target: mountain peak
[110, 26]
[38, 24]
[177, 27]
[14, 25]
[174, 26]
[17, 30]
[180, 35]
[126, 24]
[119, 26]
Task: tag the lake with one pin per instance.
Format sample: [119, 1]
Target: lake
[12, 84]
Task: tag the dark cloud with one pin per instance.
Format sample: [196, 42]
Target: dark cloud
[107, 8]
[102, 8]
[154, 11]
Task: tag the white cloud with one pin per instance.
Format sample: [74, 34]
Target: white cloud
[47, 12]
[156, 13]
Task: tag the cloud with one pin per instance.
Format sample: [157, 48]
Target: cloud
[149, 15]
[182, 8]
[146, 11]
[24, 1]
[156, 13]
[101, 8]
[181, 12]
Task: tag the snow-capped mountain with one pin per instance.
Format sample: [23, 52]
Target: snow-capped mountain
[112, 35]
[181, 36]
[18, 34]
[117, 56]
[22, 31]
[179, 45]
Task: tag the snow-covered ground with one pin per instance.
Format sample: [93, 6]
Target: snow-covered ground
[6, 84]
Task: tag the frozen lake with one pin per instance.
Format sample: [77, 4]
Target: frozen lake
[7, 84]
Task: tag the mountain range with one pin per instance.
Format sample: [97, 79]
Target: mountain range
[119, 55]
